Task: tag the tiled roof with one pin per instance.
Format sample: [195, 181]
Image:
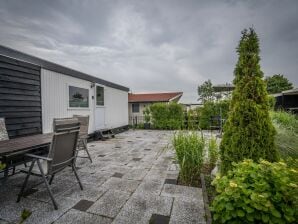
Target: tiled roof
[153, 97]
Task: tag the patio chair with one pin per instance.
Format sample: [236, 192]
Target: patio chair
[61, 155]
[83, 136]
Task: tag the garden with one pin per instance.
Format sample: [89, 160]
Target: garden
[250, 173]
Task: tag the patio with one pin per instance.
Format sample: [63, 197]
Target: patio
[131, 180]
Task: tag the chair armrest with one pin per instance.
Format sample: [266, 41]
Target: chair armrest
[38, 157]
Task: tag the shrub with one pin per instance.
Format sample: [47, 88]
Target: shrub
[2, 166]
[212, 152]
[212, 109]
[147, 115]
[256, 193]
[192, 120]
[286, 139]
[248, 131]
[167, 116]
[189, 148]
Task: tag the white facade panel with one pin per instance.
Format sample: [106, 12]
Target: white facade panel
[54, 93]
[116, 105]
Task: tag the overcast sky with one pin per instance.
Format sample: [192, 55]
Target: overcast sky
[162, 45]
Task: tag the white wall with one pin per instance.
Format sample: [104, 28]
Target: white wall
[54, 94]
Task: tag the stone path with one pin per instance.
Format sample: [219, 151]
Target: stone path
[132, 180]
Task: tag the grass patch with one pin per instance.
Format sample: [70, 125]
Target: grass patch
[286, 139]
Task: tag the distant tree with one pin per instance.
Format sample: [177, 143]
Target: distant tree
[205, 91]
[278, 83]
[248, 131]
[78, 96]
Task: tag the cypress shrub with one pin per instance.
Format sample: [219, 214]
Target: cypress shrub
[248, 131]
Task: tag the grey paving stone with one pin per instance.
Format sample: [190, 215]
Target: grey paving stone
[83, 205]
[118, 175]
[183, 192]
[47, 214]
[90, 192]
[110, 203]
[170, 181]
[159, 219]
[78, 217]
[149, 203]
[136, 174]
[130, 216]
[187, 212]
[121, 184]
[150, 187]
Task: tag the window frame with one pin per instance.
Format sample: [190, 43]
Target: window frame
[96, 96]
[68, 97]
[132, 107]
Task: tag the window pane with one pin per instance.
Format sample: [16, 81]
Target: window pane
[78, 97]
[99, 96]
[135, 108]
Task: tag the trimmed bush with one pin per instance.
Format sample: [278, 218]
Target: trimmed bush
[167, 116]
[248, 131]
[257, 193]
[212, 109]
[189, 148]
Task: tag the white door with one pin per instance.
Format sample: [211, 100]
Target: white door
[99, 112]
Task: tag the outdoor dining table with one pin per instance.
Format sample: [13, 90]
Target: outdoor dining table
[21, 146]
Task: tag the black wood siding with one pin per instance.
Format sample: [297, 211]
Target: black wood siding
[20, 98]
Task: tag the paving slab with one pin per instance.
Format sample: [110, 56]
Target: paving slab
[77, 217]
[183, 192]
[121, 184]
[187, 212]
[110, 203]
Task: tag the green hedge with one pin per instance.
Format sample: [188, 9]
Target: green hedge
[212, 109]
[167, 116]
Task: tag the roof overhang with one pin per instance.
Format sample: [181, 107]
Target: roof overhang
[9, 52]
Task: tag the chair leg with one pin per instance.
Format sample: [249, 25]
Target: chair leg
[51, 180]
[77, 176]
[26, 181]
[47, 185]
[86, 149]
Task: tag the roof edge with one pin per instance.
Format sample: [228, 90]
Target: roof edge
[6, 51]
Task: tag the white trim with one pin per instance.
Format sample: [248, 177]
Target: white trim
[175, 97]
[67, 100]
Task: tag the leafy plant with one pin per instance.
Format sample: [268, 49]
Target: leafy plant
[167, 116]
[212, 109]
[189, 148]
[25, 215]
[192, 119]
[147, 115]
[248, 131]
[205, 91]
[278, 83]
[257, 193]
[213, 152]
[2, 166]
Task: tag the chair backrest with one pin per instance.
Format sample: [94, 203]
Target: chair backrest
[64, 143]
[84, 124]
[3, 131]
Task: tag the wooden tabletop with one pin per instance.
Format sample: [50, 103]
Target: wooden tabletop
[24, 143]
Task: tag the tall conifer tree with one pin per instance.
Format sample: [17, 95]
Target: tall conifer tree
[248, 131]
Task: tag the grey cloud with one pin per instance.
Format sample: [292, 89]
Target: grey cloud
[158, 45]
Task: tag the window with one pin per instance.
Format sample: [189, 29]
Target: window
[100, 101]
[135, 107]
[78, 97]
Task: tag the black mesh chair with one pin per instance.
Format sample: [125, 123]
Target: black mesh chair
[83, 136]
[61, 154]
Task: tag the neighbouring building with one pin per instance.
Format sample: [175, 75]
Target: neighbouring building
[137, 102]
[287, 100]
[33, 91]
